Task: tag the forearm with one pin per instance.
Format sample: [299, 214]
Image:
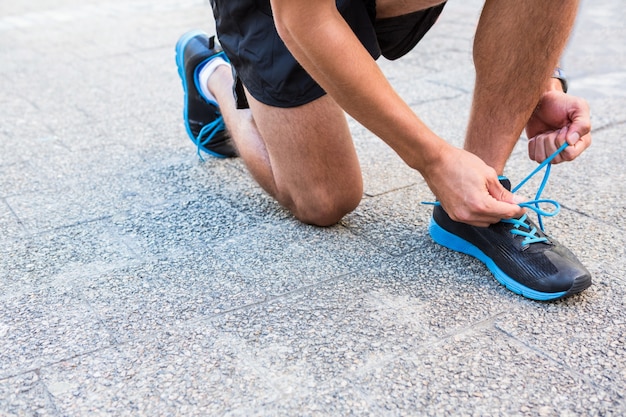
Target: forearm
[327, 48]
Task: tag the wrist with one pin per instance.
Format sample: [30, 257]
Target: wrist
[437, 160]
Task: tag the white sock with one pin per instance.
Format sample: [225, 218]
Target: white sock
[206, 72]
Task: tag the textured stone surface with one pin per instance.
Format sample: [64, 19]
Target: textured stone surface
[138, 280]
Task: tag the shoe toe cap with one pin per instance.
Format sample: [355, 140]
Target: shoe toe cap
[571, 276]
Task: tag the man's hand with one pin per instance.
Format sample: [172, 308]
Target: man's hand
[559, 117]
[469, 190]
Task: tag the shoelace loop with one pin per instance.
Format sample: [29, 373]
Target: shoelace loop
[520, 226]
[207, 133]
[534, 204]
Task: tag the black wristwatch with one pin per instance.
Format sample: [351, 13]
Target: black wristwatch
[559, 74]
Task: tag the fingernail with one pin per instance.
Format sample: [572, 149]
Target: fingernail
[518, 199]
[573, 138]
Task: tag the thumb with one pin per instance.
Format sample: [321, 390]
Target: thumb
[581, 123]
[500, 193]
[507, 205]
[572, 137]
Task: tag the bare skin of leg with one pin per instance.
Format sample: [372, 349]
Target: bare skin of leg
[302, 156]
[516, 48]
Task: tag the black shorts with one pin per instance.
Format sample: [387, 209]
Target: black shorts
[262, 63]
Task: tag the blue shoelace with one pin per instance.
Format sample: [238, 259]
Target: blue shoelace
[530, 234]
[207, 133]
[520, 226]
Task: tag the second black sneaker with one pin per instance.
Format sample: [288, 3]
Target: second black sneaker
[203, 120]
[518, 254]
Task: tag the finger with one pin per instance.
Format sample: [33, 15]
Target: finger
[503, 210]
[581, 121]
[559, 140]
[572, 152]
[498, 204]
[531, 148]
[504, 203]
[540, 148]
[482, 219]
[550, 145]
[573, 137]
[499, 193]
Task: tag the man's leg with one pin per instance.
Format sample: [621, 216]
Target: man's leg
[516, 48]
[302, 156]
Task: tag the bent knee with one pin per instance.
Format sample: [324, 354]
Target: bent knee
[325, 208]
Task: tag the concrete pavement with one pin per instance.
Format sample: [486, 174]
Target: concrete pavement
[137, 280]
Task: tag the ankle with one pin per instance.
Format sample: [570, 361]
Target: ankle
[205, 74]
[220, 83]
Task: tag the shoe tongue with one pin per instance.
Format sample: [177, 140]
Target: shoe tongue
[505, 182]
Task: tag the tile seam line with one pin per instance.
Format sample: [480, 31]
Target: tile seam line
[538, 351]
[43, 365]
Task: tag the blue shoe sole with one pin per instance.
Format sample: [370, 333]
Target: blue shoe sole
[451, 241]
[180, 64]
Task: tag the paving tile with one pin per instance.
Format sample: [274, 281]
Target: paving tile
[87, 249]
[567, 333]
[138, 280]
[41, 326]
[10, 227]
[138, 301]
[191, 370]
[25, 395]
[395, 222]
[482, 372]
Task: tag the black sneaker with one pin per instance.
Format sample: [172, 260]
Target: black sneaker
[519, 255]
[203, 119]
